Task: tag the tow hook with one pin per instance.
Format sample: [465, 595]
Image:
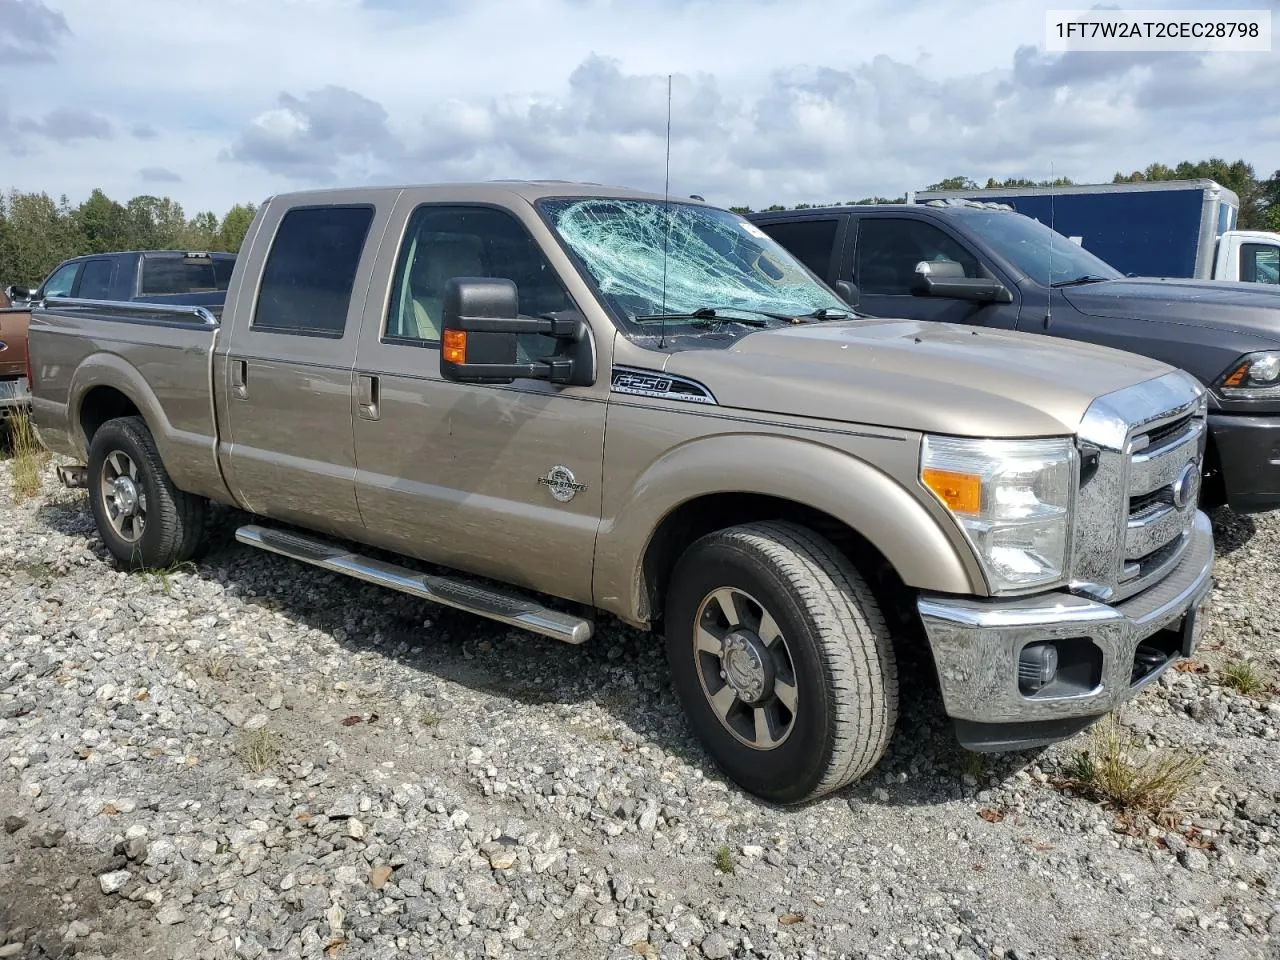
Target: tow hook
[74, 478]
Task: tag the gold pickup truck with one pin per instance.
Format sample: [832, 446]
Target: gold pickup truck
[560, 399]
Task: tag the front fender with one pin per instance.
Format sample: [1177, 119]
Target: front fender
[925, 549]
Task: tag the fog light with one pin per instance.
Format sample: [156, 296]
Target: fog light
[1037, 666]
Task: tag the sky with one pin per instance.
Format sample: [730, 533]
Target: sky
[773, 101]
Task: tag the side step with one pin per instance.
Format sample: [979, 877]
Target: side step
[508, 608]
[74, 478]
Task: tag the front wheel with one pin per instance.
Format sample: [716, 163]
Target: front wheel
[145, 521]
[782, 660]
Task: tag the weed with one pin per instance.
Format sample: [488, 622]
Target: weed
[975, 765]
[430, 718]
[29, 457]
[39, 570]
[724, 859]
[1243, 677]
[163, 576]
[1114, 771]
[258, 750]
[217, 667]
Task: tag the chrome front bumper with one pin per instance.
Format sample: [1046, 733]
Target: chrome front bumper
[976, 645]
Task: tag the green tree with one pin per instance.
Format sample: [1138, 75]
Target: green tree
[154, 223]
[953, 183]
[235, 225]
[201, 232]
[36, 236]
[102, 223]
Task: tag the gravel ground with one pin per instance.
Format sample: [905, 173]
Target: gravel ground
[249, 758]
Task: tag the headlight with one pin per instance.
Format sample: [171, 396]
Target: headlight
[1255, 376]
[1012, 499]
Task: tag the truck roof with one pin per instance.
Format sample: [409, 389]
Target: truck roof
[947, 209]
[477, 191]
[1143, 186]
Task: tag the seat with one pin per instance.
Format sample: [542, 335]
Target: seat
[436, 261]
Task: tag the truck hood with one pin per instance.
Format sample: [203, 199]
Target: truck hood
[913, 375]
[1251, 308]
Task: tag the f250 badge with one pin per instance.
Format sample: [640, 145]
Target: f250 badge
[562, 483]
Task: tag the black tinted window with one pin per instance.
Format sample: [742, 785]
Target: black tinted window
[888, 251]
[169, 275]
[810, 241]
[445, 242]
[307, 281]
[96, 280]
[222, 267]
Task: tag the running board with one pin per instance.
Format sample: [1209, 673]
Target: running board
[509, 608]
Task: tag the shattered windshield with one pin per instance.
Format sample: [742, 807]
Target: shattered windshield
[718, 267]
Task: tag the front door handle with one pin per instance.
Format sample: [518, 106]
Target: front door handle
[240, 379]
[367, 395]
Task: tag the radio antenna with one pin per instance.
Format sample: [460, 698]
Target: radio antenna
[666, 225]
[1048, 308]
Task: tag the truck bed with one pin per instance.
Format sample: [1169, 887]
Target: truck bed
[154, 360]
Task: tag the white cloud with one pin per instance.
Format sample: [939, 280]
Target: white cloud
[773, 101]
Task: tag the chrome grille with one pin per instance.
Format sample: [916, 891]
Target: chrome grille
[1136, 508]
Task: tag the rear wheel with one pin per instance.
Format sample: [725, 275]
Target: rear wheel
[782, 660]
[145, 521]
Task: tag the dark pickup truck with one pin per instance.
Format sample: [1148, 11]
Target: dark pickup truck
[983, 265]
[142, 276]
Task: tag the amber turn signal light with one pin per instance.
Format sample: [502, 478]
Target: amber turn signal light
[455, 346]
[961, 492]
[1237, 375]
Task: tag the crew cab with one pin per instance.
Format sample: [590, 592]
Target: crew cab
[140, 276]
[547, 400]
[983, 265]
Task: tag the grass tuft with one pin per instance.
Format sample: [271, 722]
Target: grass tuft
[29, 458]
[1243, 677]
[217, 667]
[163, 577]
[1115, 771]
[724, 859]
[430, 718]
[258, 750]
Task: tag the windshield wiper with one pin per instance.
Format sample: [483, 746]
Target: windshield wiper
[710, 315]
[826, 313]
[1077, 281]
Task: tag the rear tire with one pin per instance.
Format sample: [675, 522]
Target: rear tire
[145, 521]
[782, 660]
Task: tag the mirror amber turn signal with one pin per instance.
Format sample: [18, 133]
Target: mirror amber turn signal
[481, 324]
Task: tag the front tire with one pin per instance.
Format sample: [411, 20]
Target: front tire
[782, 660]
[145, 521]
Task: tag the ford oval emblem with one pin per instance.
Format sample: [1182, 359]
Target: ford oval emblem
[1186, 486]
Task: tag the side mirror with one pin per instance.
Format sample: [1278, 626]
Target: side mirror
[480, 327]
[848, 292]
[945, 278]
[16, 292]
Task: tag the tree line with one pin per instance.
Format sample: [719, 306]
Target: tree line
[37, 233]
[1259, 198]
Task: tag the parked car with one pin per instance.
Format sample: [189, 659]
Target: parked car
[14, 395]
[597, 400]
[145, 276]
[973, 264]
[1161, 228]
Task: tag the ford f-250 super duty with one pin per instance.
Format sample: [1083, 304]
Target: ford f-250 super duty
[651, 409]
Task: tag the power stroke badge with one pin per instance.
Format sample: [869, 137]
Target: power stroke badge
[562, 484]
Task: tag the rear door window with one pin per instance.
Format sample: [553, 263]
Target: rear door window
[812, 242]
[311, 271]
[97, 279]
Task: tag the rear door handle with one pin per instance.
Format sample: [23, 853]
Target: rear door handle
[239, 379]
[367, 395]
